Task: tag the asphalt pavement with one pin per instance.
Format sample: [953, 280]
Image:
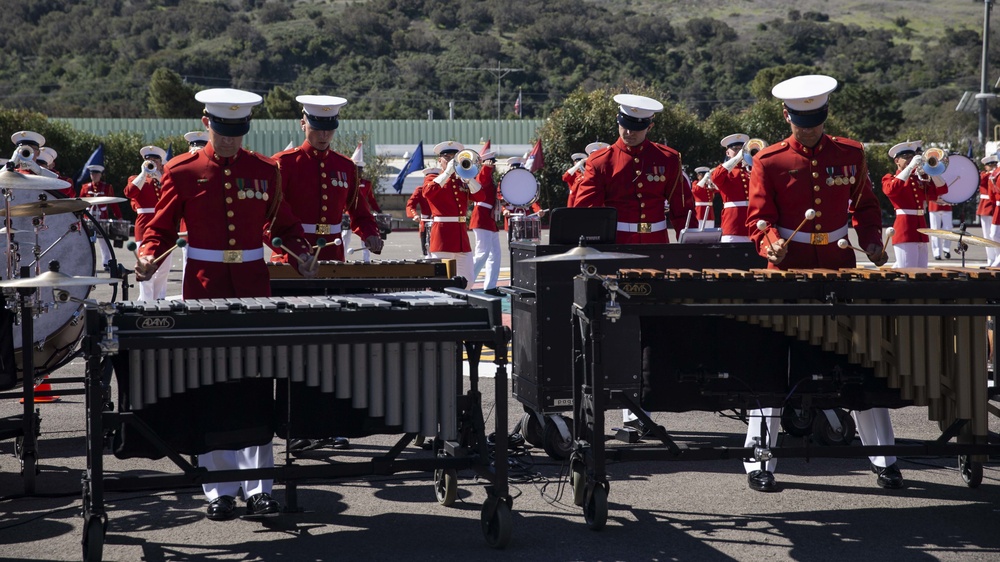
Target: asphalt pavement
[826, 509]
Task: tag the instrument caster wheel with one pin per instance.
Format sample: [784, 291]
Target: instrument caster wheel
[93, 539]
[558, 438]
[497, 528]
[418, 441]
[532, 429]
[595, 512]
[578, 479]
[972, 471]
[825, 434]
[798, 422]
[18, 447]
[446, 486]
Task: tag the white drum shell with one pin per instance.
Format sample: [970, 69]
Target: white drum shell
[962, 178]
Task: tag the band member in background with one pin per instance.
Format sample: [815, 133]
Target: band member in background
[829, 175]
[321, 184]
[448, 197]
[143, 192]
[418, 210]
[993, 181]
[704, 194]
[940, 217]
[637, 177]
[908, 192]
[732, 179]
[484, 225]
[98, 188]
[572, 175]
[47, 159]
[230, 199]
[367, 194]
[27, 146]
[985, 208]
[509, 210]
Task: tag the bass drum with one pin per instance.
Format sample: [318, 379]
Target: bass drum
[58, 330]
[518, 187]
[962, 178]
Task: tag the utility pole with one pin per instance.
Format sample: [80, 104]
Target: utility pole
[983, 95]
[500, 72]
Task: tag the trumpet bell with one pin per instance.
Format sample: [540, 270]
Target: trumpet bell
[467, 164]
[752, 147]
[935, 161]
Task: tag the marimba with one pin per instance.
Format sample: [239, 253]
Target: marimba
[849, 338]
[201, 375]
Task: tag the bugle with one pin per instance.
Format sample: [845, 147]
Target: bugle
[935, 161]
[752, 147]
[467, 164]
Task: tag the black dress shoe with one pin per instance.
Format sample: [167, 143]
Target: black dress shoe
[762, 481]
[338, 443]
[261, 505]
[947, 255]
[222, 508]
[938, 258]
[296, 445]
[889, 477]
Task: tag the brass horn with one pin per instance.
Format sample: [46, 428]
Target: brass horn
[935, 161]
[752, 147]
[467, 164]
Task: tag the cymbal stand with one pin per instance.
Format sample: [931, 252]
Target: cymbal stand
[612, 310]
[12, 254]
[29, 444]
[39, 225]
[75, 227]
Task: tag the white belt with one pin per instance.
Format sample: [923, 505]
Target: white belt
[986, 197]
[642, 227]
[705, 204]
[814, 238]
[146, 210]
[321, 228]
[731, 204]
[449, 219]
[487, 205]
[226, 256]
[910, 212]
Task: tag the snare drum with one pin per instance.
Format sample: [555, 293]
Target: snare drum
[519, 187]
[526, 227]
[58, 330]
[384, 222]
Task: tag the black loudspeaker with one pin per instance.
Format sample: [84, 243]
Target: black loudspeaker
[597, 225]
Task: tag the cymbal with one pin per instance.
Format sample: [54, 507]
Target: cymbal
[959, 237]
[584, 253]
[10, 179]
[51, 207]
[56, 279]
[104, 200]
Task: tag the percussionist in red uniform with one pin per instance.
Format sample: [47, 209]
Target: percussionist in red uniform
[704, 194]
[98, 188]
[732, 179]
[320, 183]
[573, 175]
[231, 201]
[812, 171]
[448, 197]
[908, 194]
[484, 225]
[143, 191]
[986, 205]
[418, 210]
[637, 177]
[367, 194]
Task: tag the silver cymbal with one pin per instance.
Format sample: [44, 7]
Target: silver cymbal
[56, 279]
[103, 200]
[959, 237]
[50, 207]
[13, 180]
[584, 253]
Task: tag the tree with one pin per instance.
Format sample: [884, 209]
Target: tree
[281, 104]
[169, 96]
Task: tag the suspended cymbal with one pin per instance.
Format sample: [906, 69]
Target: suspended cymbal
[53, 207]
[56, 279]
[103, 200]
[959, 237]
[13, 180]
[584, 253]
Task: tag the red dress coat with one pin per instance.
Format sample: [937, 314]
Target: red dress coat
[101, 189]
[417, 207]
[203, 189]
[143, 202]
[994, 183]
[68, 191]
[368, 193]
[909, 197]
[986, 205]
[637, 180]
[451, 203]
[483, 216]
[831, 178]
[572, 181]
[703, 202]
[734, 187]
[318, 187]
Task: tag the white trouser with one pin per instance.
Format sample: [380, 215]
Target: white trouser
[258, 456]
[345, 236]
[995, 231]
[155, 288]
[464, 264]
[940, 220]
[875, 428]
[910, 254]
[772, 417]
[487, 255]
[184, 262]
[988, 232]
[106, 251]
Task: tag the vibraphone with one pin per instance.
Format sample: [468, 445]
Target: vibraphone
[849, 338]
[342, 365]
[335, 277]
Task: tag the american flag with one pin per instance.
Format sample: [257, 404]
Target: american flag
[517, 104]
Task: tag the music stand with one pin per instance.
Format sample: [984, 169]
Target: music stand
[596, 225]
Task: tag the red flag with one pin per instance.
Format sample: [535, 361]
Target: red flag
[536, 160]
[485, 148]
[517, 104]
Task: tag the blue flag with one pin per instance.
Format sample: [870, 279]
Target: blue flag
[970, 148]
[96, 159]
[415, 163]
[170, 154]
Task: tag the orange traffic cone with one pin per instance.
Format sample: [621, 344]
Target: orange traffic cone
[43, 387]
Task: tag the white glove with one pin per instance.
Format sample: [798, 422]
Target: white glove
[732, 162]
[578, 166]
[904, 174]
[474, 186]
[26, 162]
[140, 180]
[703, 182]
[446, 174]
